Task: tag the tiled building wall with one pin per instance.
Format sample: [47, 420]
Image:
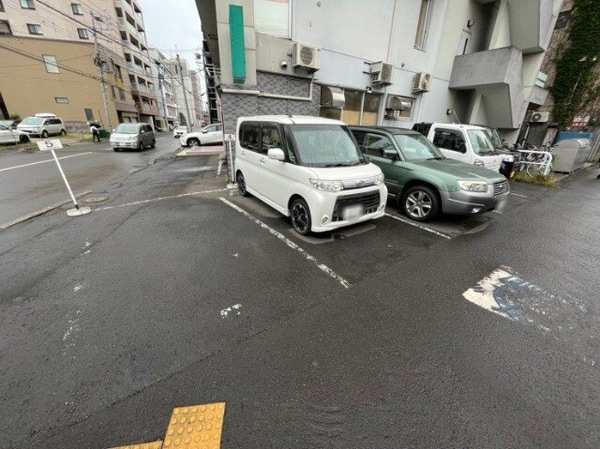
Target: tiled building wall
[234, 105]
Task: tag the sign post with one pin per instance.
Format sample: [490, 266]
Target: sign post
[51, 145]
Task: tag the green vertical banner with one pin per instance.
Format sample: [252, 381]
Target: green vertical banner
[238, 46]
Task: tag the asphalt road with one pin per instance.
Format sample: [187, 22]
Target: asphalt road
[175, 291]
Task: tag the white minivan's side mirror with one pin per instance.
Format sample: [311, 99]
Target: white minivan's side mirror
[276, 153]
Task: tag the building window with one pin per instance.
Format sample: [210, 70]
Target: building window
[27, 4]
[5, 28]
[423, 24]
[61, 100]
[357, 108]
[51, 64]
[1, 6]
[83, 33]
[77, 9]
[121, 94]
[89, 115]
[34, 28]
[272, 17]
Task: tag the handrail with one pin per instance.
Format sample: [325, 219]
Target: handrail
[545, 163]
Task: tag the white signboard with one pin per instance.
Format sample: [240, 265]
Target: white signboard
[46, 145]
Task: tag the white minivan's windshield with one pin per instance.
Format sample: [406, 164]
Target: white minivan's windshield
[325, 146]
[481, 142]
[32, 121]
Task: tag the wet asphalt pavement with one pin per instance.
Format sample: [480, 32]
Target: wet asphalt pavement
[360, 338]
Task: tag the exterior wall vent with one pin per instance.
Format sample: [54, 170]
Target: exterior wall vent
[381, 74]
[306, 57]
[421, 82]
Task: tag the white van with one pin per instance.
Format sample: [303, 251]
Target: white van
[467, 143]
[43, 125]
[309, 169]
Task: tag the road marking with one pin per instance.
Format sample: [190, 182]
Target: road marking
[520, 196]
[508, 295]
[136, 203]
[43, 162]
[291, 244]
[420, 226]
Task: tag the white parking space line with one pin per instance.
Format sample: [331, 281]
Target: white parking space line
[520, 196]
[291, 244]
[43, 162]
[420, 226]
[136, 203]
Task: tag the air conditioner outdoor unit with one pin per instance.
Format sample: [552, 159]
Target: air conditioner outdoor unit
[539, 117]
[421, 82]
[381, 73]
[306, 57]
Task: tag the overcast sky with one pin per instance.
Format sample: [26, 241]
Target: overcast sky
[173, 27]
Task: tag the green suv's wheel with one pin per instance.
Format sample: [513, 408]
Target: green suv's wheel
[300, 216]
[420, 203]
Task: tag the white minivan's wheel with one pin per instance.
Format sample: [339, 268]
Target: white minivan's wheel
[300, 216]
[241, 183]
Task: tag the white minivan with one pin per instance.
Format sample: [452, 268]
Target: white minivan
[309, 169]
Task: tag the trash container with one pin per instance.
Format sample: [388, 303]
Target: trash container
[570, 155]
[104, 134]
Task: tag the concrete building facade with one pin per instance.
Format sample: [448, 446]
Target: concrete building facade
[472, 61]
[83, 63]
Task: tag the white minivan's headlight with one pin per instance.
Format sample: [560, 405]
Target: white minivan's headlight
[508, 158]
[328, 186]
[379, 179]
[473, 186]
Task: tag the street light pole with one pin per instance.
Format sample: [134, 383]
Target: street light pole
[187, 108]
[98, 61]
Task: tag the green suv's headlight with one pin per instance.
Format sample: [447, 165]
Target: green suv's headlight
[328, 186]
[473, 186]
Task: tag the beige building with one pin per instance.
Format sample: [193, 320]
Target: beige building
[81, 61]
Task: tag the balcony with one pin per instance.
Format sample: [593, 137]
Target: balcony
[530, 24]
[497, 75]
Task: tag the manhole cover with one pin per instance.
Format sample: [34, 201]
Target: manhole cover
[95, 199]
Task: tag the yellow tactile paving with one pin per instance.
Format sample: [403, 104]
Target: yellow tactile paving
[153, 445]
[196, 427]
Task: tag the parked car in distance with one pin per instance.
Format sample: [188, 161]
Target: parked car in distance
[207, 135]
[423, 181]
[179, 131]
[510, 158]
[308, 169]
[12, 124]
[466, 143]
[12, 136]
[43, 125]
[132, 136]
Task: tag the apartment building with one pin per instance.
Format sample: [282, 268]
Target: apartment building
[167, 106]
[388, 62]
[84, 61]
[179, 75]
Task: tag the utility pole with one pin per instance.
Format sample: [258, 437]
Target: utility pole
[98, 61]
[187, 108]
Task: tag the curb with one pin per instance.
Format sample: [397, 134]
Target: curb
[39, 212]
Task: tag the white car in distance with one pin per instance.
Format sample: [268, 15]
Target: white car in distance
[211, 134]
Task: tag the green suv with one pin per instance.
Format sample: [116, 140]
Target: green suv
[423, 181]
